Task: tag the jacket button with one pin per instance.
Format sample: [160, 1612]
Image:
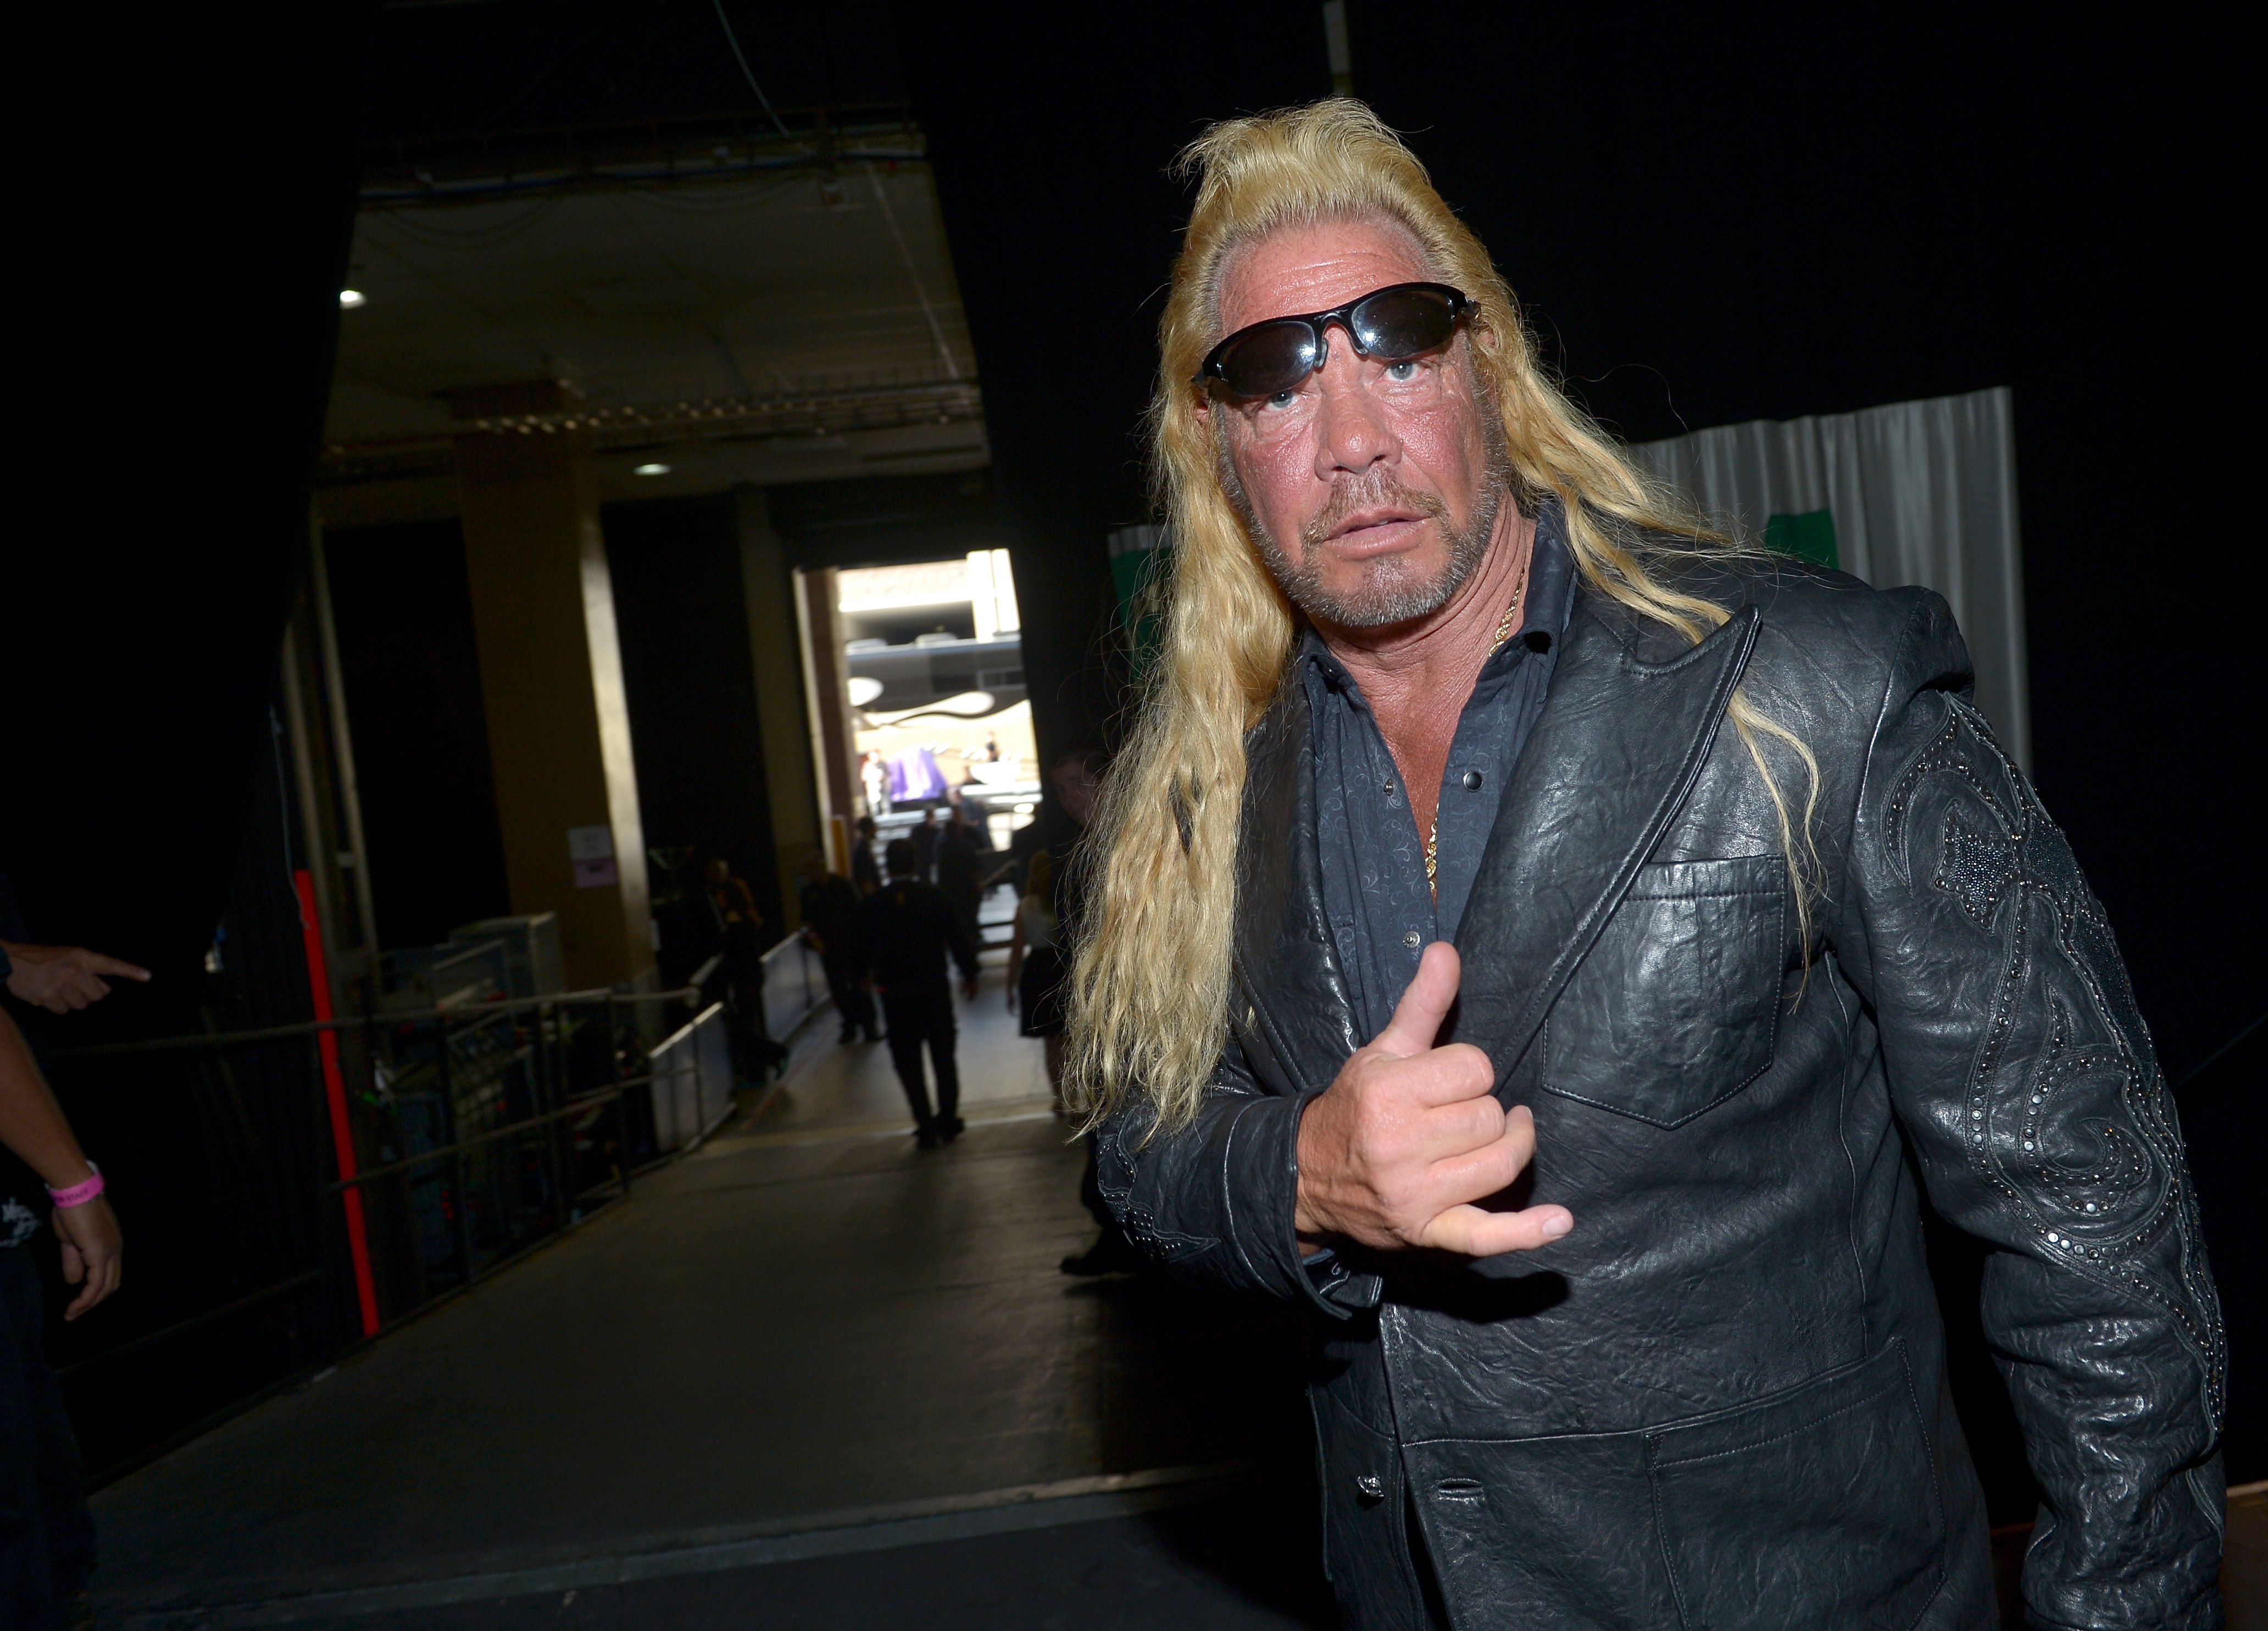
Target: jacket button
[1473, 781]
[1370, 1486]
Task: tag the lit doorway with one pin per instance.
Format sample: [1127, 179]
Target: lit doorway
[935, 714]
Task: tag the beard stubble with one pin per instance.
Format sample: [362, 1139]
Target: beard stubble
[1390, 589]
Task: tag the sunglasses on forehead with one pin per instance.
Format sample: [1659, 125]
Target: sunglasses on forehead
[1391, 325]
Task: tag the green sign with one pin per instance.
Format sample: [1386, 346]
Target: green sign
[1809, 537]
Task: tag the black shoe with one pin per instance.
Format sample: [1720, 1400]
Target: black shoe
[951, 1128]
[846, 1038]
[1108, 1255]
[874, 1036]
[927, 1138]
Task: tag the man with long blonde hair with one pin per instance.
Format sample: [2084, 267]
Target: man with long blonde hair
[1558, 948]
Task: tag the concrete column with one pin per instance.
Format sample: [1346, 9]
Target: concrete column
[791, 785]
[826, 683]
[551, 677]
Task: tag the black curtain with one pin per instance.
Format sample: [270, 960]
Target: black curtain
[187, 225]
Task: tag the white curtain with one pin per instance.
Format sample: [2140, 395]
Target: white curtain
[1922, 492]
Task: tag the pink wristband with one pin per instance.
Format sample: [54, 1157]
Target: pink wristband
[79, 1194]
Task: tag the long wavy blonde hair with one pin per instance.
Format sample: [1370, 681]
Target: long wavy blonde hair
[1150, 982]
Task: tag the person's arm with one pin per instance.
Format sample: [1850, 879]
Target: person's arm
[62, 979]
[1214, 1200]
[32, 1125]
[2031, 1097]
[1263, 1190]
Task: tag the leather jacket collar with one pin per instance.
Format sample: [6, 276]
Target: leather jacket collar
[1618, 746]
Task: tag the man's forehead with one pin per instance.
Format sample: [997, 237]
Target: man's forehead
[1312, 269]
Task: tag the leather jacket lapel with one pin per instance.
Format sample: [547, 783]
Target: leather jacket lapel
[1616, 750]
[1298, 1012]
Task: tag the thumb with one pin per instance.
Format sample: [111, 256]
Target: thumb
[1417, 1017]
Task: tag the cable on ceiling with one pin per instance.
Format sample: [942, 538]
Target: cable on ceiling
[747, 73]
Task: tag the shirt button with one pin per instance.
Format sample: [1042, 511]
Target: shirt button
[1411, 938]
[1472, 781]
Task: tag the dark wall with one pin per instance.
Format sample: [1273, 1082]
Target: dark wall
[682, 615]
[1050, 157]
[188, 307]
[404, 612]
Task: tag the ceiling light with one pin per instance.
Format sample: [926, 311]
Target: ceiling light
[349, 298]
[651, 469]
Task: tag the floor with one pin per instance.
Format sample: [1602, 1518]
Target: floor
[809, 1375]
[805, 1345]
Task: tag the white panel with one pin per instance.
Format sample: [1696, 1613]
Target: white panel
[1922, 492]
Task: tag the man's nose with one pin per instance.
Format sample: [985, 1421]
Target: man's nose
[1352, 431]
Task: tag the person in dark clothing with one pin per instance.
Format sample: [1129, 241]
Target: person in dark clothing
[960, 870]
[865, 871]
[1503, 1017]
[904, 934]
[739, 930]
[830, 906]
[923, 839]
[47, 1535]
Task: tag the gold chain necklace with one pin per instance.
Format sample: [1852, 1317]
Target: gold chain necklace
[1503, 633]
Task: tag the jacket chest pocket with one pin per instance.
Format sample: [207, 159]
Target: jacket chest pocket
[1675, 1009]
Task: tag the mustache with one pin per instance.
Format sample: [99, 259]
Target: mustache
[1363, 493]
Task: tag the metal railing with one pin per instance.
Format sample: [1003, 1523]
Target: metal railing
[795, 986]
[692, 1080]
[291, 1189]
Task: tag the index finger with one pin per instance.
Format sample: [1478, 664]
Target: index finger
[97, 963]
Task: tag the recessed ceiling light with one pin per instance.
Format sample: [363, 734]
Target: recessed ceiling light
[349, 298]
[651, 469]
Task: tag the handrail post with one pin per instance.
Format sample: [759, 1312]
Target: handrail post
[457, 1152]
[622, 1110]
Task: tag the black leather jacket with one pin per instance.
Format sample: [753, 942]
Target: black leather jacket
[1720, 1401]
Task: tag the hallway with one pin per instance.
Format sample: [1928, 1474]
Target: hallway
[758, 1394]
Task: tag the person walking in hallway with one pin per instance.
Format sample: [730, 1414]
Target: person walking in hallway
[737, 928]
[905, 932]
[864, 872]
[923, 839]
[1035, 968]
[960, 868]
[830, 902]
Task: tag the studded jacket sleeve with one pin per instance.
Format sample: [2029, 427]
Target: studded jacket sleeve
[2030, 1092]
[1214, 1200]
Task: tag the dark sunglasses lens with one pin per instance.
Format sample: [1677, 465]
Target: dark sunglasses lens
[1403, 322]
[1268, 358]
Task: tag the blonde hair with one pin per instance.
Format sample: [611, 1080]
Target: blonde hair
[1149, 989]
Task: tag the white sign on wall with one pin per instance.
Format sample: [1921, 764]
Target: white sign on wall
[592, 849]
